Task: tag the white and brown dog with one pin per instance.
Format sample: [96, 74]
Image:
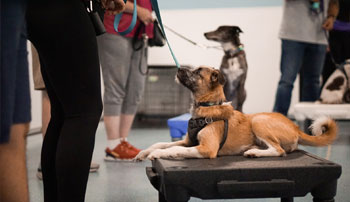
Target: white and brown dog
[216, 129]
[233, 65]
[337, 88]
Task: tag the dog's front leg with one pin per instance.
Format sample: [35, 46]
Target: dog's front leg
[208, 147]
[161, 145]
[176, 152]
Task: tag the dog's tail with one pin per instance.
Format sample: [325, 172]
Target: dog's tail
[324, 130]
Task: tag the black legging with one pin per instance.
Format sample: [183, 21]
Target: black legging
[339, 43]
[65, 39]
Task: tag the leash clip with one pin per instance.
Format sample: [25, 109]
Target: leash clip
[208, 120]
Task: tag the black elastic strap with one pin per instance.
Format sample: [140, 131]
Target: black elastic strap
[195, 125]
[225, 134]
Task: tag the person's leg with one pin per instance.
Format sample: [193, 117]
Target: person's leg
[334, 52]
[45, 119]
[126, 121]
[292, 55]
[328, 68]
[45, 113]
[134, 90]
[13, 182]
[345, 40]
[312, 68]
[115, 56]
[70, 69]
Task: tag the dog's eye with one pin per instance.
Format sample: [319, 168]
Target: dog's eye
[197, 71]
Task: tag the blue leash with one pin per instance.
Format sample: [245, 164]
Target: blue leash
[133, 22]
[156, 10]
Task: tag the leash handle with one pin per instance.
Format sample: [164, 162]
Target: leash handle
[132, 24]
[156, 10]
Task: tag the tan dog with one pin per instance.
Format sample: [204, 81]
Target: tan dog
[253, 135]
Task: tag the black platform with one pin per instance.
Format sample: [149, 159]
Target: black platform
[233, 177]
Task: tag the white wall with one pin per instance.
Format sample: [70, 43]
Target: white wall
[260, 38]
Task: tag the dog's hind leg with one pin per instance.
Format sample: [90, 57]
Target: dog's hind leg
[161, 145]
[273, 149]
[264, 134]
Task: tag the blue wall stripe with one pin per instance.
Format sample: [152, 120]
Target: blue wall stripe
[196, 4]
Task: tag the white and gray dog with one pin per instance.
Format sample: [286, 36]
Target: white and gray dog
[337, 88]
[233, 65]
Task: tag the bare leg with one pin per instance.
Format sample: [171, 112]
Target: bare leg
[45, 114]
[13, 171]
[118, 126]
[45, 119]
[125, 123]
[112, 124]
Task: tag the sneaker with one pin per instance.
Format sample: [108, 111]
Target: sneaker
[122, 152]
[39, 173]
[93, 168]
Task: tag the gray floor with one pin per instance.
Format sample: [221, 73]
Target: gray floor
[127, 182]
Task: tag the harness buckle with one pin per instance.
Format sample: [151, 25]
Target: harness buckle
[208, 120]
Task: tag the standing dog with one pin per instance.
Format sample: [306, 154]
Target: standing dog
[229, 132]
[233, 64]
[337, 88]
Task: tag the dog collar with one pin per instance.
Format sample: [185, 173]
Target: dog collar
[233, 52]
[207, 104]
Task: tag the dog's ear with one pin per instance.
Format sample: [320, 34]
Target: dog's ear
[217, 77]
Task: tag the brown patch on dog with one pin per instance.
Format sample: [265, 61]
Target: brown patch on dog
[335, 85]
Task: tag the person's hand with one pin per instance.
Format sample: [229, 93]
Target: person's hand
[328, 24]
[113, 7]
[144, 15]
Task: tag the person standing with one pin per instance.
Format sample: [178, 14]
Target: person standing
[45, 105]
[339, 41]
[304, 46]
[124, 72]
[64, 36]
[15, 106]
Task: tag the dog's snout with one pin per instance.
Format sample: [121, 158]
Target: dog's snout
[181, 71]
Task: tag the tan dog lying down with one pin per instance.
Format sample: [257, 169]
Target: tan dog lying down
[253, 135]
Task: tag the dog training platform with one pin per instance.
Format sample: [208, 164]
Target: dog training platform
[233, 177]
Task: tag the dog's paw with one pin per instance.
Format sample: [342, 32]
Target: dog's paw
[252, 153]
[165, 154]
[156, 154]
[142, 155]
